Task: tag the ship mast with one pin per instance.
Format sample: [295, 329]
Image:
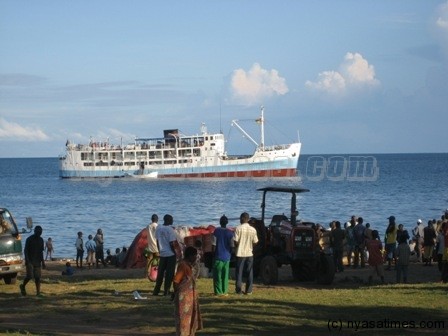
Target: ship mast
[259, 121]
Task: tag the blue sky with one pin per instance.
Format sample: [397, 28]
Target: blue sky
[348, 76]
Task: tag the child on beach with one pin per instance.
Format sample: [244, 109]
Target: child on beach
[90, 247]
[49, 248]
[375, 248]
[403, 255]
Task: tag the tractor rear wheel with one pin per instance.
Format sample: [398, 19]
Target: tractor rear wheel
[303, 270]
[269, 270]
[325, 269]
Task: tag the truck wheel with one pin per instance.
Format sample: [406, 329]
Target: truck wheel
[269, 270]
[303, 271]
[325, 269]
[10, 279]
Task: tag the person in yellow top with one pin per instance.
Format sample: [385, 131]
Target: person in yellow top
[186, 304]
[390, 242]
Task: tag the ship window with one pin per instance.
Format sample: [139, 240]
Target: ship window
[212, 144]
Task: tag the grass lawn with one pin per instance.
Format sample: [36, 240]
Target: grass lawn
[102, 306]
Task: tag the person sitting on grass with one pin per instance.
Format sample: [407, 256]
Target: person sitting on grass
[109, 257]
[375, 248]
[68, 269]
[121, 256]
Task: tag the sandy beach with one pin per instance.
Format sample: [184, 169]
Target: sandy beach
[418, 273]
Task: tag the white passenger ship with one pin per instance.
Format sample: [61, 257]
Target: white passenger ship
[179, 156]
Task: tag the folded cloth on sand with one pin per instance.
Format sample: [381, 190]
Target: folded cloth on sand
[137, 296]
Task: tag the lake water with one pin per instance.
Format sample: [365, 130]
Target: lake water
[408, 186]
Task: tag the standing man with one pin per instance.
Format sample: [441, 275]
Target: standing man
[166, 241]
[152, 241]
[79, 250]
[337, 237]
[222, 246]
[418, 236]
[402, 233]
[368, 232]
[99, 252]
[359, 235]
[34, 260]
[349, 235]
[429, 240]
[245, 238]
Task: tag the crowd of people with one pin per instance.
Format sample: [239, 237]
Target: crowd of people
[359, 243]
[95, 252]
[163, 246]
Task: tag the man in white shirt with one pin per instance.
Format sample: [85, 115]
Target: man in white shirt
[418, 236]
[153, 250]
[166, 240]
[152, 241]
[245, 238]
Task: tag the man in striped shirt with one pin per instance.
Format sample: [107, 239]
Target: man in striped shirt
[245, 238]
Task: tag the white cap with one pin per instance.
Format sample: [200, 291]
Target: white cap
[419, 221]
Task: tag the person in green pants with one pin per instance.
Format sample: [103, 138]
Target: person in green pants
[222, 246]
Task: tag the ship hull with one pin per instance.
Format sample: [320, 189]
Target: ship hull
[272, 169]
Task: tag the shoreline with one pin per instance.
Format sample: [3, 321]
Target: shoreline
[418, 274]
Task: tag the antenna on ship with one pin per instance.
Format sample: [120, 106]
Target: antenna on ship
[220, 120]
[261, 122]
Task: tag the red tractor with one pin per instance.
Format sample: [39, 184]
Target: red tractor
[289, 241]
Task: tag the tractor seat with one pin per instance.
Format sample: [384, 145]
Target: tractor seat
[277, 219]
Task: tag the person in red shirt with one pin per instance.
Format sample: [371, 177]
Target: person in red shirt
[186, 305]
[375, 249]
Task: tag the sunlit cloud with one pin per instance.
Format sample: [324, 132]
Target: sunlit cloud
[440, 24]
[442, 17]
[253, 87]
[14, 131]
[354, 74]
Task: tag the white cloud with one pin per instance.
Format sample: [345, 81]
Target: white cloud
[330, 81]
[440, 25]
[442, 17]
[14, 131]
[254, 86]
[354, 73]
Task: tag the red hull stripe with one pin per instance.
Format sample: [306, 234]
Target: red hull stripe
[290, 172]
